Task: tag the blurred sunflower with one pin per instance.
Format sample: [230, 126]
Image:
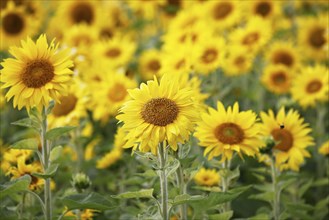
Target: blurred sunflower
[158, 112]
[76, 12]
[71, 108]
[266, 9]
[313, 37]
[222, 14]
[81, 37]
[207, 177]
[283, 53]
[150, 64]
[278, 78]
[180, 62]
[293, 139]
[144, 9]
[237, 61]
[109, 95]
[311, 86]
[222, 132]
[15, 25]
[39, 73]
[10, 157]
[324, 148]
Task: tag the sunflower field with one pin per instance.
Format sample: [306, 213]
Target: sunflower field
[164, 109]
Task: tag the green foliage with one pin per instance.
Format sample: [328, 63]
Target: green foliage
[55, 153]
[144, 193]
[50, 172]
[87, 201]
[57, 132]
[13, 187]
[26, 144]
[222, 216]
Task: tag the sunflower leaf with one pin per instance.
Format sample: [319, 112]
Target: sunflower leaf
[57, 132]
[222, 216]
[26, 144]
[27, 122]
[50, 172]
[55, 153]
[144, 193]
[18, 185]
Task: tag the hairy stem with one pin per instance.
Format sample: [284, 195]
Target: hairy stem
[182, 188]
[162, 154]
[276, 193]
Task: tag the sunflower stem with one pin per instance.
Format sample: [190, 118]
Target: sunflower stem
[276, 192]
[46, 163]
[162, 154]
[182, 187]
[226, 184]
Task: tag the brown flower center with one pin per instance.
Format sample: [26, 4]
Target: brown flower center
[316, 38]
[279, 78]
[37, 73]
[13, 23]
[154, 65]
[229, 133]
[160, 111]
[117, 93]
[284, 137]
[240, 61]
[66, 106]
[82, 12]
[209, 55]
[263, 9]
[180, 64]
[283, 57]
[314, 86]
[82, 40]
[113, 52]
[250, 38]
[106, 33]
[222, 10]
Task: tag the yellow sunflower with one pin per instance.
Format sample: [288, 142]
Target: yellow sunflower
[313, 37]
[158, 112]
[267, 9]
[109, 159]
[10, 156]
[237, 61]
[283, 53]
[15, 25]
[109, 95]
[39, 73]
[150, 64]
[278, 78]
[324, 148]
[222, 132]
[71, 108]
[311, 86]
[293, 138]
[207, 177]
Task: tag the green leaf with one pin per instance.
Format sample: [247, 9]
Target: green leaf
[208, 188]
[185, 198]
[55, 153]
[321, 182]
[266, 196]
[87, 201]
[148, 174]
[222, 216]
[144, 193]
[50, 107]
[304, 188]
[57, 132]
[300, 206]
[261, 216]
[172, 167]
[50, 172]
[18, 185]
[26, 144]
[27, 122]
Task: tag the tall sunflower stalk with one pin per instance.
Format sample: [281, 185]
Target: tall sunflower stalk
[162, 157]
[276, 191]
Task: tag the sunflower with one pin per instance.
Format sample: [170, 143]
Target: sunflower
[210, 55]
[313, 37]
[76, 12]
[222, 14]
[150, 64]
[237, 61]
[71, 108]
[144, 9]
[251, 36]
[15, 25]
[324, 148]
[10, 156]
[311, 86]
[291, 140]
[222, 132]
[109, 159]
[39, 73]
[267, 9]
[283, 53]
[277, 78]
[158, 112]
[207, 177]
[109, 95]
[116, 52]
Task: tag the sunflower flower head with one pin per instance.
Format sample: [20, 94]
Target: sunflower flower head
[324, 148]
[158, 112]
[207, 177]
[38, 73]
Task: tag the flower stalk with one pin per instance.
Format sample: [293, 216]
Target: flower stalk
[182, 188]
[276, 192]
[226, 183]
[162, 156]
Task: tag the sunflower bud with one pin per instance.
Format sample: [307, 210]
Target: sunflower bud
[80, 182]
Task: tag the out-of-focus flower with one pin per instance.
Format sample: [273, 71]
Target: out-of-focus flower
[150, 64]
[237, 61]
[283, 53]
[207, 177]
[324, 148]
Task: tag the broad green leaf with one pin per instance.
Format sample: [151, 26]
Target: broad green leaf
[26, 122]
[26, 144]
[300, 206]
[299, 214]
[208, 188]
[87, 201]
[321, 182]
[222, 216]
[18, 185]
[57, 132]
[50, 172]
[144, 193]
[266, 196]
[50, 107]
[183, 150]
[55, 153]
[261, 216]
[148, 174]
[185, 198]
[304, 188]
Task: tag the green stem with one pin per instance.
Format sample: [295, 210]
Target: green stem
[182, 187]
[46, 163]
[276, 193]
[162, 154]
[226, 184]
